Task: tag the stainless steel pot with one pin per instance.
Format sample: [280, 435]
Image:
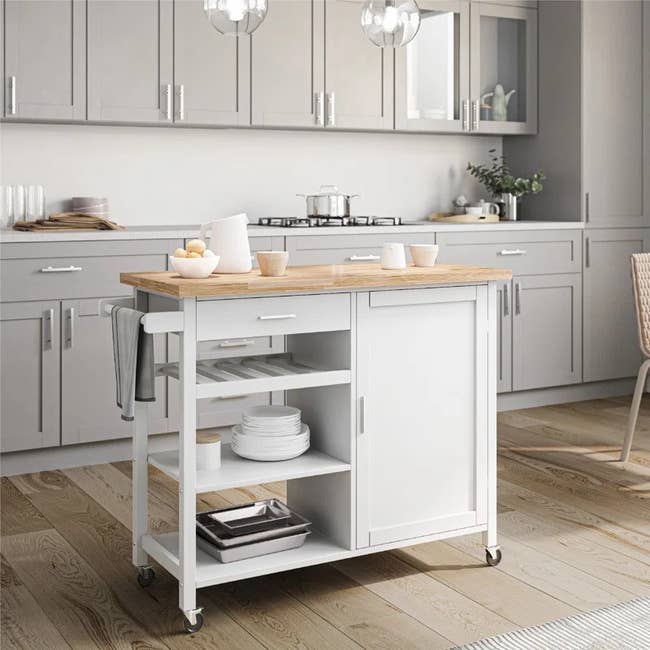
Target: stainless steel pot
[329, 202]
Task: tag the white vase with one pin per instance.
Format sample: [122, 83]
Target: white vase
[229, 240]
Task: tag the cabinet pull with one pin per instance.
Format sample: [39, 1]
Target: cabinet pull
[70, 328]
[362, 415]
[181, 102]
[167, 95]
[506, 306]
[48, 317]
[517, 298]
[587, 253]
[236, 344]
[476, 117]
[61, 269]
[320, 109]
[363, 258]
[331, 110]
[466, 125]
[512, 251]
[277, 317]
[587, 207]
[12, 95]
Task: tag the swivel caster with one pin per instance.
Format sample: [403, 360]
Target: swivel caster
[145, 576]
[191, 629]
[491, 559]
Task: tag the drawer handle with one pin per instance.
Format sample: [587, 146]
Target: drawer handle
[236, 344]
[61, 269]
[513, 251]
[277, 317]
[363, 258]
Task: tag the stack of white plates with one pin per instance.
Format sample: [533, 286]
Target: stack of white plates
[95, 206]
[270, 433]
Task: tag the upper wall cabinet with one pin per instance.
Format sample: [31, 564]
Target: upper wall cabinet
[312, 66]
[130, 60]
[45, 75]
[503, 75]
[211, 71]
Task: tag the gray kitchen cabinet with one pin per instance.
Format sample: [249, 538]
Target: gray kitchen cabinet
[130, 52]
[45, 59]
[432, 71]
[612, 112]
[546, 331]
[503, 53]
[287, 65]
[504, 337]
[358, 74]
[211, 71]
[611, 341]
[29, 387]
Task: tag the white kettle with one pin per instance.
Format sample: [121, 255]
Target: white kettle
[229, 240]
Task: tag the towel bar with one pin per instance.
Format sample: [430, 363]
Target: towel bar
[155, 322]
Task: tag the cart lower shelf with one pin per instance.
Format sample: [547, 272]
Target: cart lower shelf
[317, 549]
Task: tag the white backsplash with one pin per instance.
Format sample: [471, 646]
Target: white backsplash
[157, 175]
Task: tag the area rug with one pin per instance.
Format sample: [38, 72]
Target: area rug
[620, 627]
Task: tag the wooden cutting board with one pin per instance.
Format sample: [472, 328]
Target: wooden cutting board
[448, 217]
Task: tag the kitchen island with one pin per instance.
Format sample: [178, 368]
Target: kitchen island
[395, 373]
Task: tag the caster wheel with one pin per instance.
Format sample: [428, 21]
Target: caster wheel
[493, 561]
[191, 629]
[146, 576]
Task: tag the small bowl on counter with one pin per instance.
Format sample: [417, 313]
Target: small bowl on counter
[195, 267]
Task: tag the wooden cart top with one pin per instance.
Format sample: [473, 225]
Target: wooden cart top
[328, 277]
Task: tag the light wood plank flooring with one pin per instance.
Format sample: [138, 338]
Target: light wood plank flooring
[574, 528]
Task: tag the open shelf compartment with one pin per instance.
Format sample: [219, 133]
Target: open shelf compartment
[238, 472]
[256, 374]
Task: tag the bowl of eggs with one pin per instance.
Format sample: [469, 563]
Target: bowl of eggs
[195, 261]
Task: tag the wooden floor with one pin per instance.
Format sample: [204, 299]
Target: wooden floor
[574, 528]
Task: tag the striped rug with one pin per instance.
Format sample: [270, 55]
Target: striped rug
[620, 627]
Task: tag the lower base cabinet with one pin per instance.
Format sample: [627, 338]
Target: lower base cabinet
[432, 438]
[611, 340]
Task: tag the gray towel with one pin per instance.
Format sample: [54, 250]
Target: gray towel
[134, 362]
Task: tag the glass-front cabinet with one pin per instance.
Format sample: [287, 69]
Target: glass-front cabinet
[472, 67]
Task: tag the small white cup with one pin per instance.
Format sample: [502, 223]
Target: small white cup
[424, 254]
[393, 256]
[475, 210]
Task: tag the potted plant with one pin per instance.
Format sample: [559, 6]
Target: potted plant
[503, 186]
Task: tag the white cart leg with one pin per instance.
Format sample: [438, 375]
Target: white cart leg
[187, 462]
[490, 540]
[140, 485]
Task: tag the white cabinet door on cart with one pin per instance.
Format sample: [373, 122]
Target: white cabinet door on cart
[422, 440]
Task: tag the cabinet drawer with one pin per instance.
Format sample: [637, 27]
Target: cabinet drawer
[225, 319]
[525, 253]
[344, 249]
[235, 347]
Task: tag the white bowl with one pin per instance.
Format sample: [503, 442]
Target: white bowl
[194, 267]
[424, 254]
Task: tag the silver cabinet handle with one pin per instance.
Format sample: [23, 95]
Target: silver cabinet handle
[69, 341]
[236, 344]
[363, 258]
[476, 118]
[587, 207]
[587, 253]
[277, 317]
[167, 96]
[180, 89]
[513, 251]
[12, 95]
[362, 415]
[61, 269]
[465, 125]
[506, 305]
[331, 110]
[320, 109]
[48, 317]
[517, 298]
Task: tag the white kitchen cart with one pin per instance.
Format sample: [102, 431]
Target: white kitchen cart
[395, 372]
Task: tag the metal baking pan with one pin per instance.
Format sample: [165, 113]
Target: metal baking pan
[213, 531]
[252, 517]
[245, 551]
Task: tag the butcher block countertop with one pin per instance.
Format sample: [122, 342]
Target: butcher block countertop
[327, 277]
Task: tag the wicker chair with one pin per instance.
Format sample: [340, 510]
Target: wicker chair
[641, 284]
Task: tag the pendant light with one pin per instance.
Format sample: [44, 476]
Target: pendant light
[390, 23]
[235, 17]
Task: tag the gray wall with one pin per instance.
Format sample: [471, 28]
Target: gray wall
[186, 176]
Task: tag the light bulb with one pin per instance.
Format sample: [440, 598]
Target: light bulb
[235, 17]
[390, 23]
[235, 9]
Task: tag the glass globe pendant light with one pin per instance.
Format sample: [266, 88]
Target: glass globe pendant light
[390, 23]
[235, 17]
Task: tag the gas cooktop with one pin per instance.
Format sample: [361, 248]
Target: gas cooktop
[328, 222]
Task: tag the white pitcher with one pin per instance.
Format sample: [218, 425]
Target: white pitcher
[229, 240]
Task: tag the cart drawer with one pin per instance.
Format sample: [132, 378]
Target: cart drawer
[225, 319]
[525, 252]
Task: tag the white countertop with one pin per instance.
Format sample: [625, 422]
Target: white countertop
[190, 231]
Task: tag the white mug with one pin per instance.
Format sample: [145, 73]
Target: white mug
[393, 256]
